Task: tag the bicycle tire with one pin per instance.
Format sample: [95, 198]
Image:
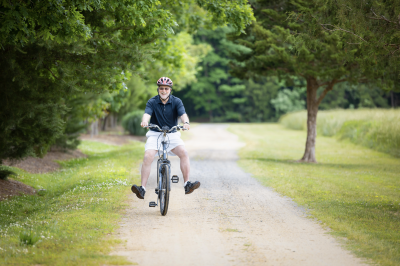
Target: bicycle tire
[158, 172]
[164, 193]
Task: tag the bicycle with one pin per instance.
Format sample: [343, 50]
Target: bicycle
[164, 170]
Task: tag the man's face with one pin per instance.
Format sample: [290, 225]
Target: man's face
[164, 91]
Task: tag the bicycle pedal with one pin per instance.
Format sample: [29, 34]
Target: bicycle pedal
[152, 204]
[175, 179]
[157, 191]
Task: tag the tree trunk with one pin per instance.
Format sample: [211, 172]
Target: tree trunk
[104, 126]
[94, 128]
[111, 120]
[115, 121]
[312, 111]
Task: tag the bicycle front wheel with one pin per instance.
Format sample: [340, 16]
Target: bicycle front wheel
[164, 193]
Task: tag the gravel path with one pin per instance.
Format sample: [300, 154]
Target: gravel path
[230, 220]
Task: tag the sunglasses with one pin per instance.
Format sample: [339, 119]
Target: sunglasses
[161, 89]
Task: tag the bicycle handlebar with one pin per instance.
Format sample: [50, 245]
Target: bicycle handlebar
[178, 127]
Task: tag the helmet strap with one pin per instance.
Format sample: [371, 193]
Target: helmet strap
[161, 99]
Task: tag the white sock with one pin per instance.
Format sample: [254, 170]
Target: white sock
[186, 183]
[144, 188]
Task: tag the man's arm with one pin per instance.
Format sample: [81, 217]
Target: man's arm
[145, 120]
[185, 121]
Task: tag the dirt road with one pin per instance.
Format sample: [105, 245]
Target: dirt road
[230, 220]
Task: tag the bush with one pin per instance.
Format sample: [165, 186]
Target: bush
[378, 129]
[131, 123]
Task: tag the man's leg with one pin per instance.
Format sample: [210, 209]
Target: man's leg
[146, 166]
[145, 172]
[185, 168]
[181, 152]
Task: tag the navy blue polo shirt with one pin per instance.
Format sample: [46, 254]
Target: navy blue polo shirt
[165, 114]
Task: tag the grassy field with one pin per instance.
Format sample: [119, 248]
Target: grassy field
[70, 222]
[353, 190]
[377, 129]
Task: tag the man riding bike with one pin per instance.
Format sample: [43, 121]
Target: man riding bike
[164, 110]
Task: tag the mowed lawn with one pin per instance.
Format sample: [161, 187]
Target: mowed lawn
[352, 190]
[72, 219]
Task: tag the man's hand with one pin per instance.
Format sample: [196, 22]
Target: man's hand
[185, 120]
[144, 124]
[145, 120]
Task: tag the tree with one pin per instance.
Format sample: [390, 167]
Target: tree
[258, 94]
[179, 57]
[373, 29]
[230, 99]
[52, 50]
[286, 41]
[137, 96]
[223, 93]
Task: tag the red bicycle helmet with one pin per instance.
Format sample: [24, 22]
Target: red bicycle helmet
[164, 81]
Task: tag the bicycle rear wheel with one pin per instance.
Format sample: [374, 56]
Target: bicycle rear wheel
[164, 193]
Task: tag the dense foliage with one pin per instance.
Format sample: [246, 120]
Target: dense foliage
[131, 123]
[68, 63]
[371, 30]
[215, 92]
[287, 41]
[52, 50]
[207, 99]
[218, 96]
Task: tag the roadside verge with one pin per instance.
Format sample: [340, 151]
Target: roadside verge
[352, 190]
[67, 222]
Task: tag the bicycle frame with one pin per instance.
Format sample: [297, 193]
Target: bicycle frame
[163, 160]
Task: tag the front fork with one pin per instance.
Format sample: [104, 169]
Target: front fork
[161, 162]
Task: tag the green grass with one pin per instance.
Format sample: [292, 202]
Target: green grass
[70, 222]
[378, 129]
[353, 190]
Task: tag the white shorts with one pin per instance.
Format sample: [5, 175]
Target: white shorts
[174, 140]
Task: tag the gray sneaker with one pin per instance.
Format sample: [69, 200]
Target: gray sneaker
[139, 191]
[190, 187]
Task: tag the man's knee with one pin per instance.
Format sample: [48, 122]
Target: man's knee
[182, 153]
[148, 157]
